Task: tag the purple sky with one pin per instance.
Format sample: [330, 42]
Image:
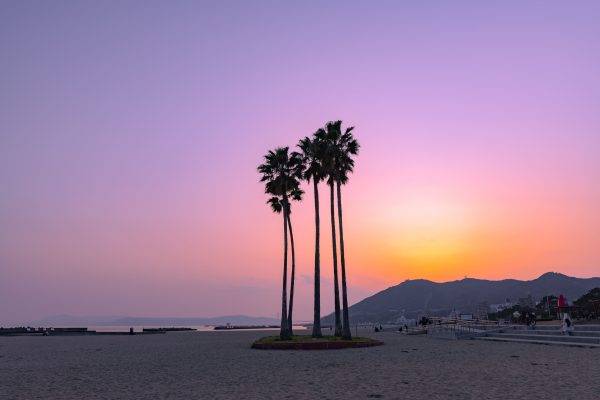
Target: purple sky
[130, 133]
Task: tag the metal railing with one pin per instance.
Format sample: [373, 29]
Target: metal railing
[462, 329]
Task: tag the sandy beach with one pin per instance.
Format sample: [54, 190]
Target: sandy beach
[221, 365]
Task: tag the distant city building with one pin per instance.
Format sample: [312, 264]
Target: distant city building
[526, 301]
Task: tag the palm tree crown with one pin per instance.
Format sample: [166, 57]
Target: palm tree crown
[338, 160]
[282, 173]
[313, 153]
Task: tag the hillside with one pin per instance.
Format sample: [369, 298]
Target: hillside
[414, 297]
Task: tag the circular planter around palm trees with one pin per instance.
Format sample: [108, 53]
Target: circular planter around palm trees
[308, 343]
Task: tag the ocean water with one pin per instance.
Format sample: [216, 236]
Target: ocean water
[199, 328]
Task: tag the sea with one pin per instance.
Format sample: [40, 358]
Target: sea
[198, 328]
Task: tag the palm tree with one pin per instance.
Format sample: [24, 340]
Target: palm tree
[328, 162]
[281, 172]
[312, 153]
[342, 146]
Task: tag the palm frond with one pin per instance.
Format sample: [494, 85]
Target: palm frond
[282, 172]
[275, 204]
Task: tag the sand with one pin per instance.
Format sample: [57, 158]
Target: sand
[221, 365]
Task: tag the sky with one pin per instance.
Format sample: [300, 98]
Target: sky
[130, 133]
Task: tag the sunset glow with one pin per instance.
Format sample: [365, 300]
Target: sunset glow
[128, 162]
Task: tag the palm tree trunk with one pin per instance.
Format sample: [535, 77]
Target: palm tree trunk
[292, 277]
[346, 334]
[284, 332]
[336, 289]
[316, 331]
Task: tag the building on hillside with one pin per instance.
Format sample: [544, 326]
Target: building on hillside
[526, 301]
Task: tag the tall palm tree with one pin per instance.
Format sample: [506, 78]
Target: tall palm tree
[281, 173]
[312, 151]
[343, 146]
[328, 162]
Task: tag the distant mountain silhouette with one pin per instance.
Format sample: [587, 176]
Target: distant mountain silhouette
[414, 297]
[68, 320]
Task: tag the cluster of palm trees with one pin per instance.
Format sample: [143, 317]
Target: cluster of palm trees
[327, 157]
